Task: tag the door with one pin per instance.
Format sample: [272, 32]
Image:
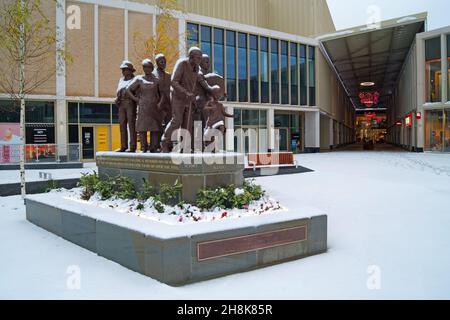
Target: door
[87, 143]
[283, 139]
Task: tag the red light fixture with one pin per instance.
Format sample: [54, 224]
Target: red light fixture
[398, 123]
[418, 115]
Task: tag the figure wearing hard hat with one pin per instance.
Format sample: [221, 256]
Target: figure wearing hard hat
[127, 109]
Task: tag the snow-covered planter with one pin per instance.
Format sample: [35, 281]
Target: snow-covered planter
[182, 213]
[164, 205]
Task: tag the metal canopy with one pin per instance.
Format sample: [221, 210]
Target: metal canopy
[376, 55]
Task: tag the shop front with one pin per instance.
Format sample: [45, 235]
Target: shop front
[94, 126]
[437, 130]
[288, 130]
[40, 140]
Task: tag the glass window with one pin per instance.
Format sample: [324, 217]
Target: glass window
[40, 134]
[303, 85]
[242, 66]
[206, 40]
[264, 57]
[39, 112]
[218, 52]
[448, 66]
[263, 118]
[73, 134]
[231, 66]
[9, 113]
[115, 114]
[281, 121]
[95, 113]
[72, 112]
[274, 71]
[237, 117]
[447, 131]
[434, 134]
[254, 79]
[433, 72]
[312, 76]
[294, 74]
[284, 73]
[192, 35]
[250, 117]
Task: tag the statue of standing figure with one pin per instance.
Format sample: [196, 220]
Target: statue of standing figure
[164, 78]
[127, 108]
[185, 78]
[161, 111]
[202, 94]
[145, 90]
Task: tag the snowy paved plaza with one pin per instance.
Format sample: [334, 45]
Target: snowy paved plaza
[390, 210]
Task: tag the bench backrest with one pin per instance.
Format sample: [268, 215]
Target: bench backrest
[271, 159]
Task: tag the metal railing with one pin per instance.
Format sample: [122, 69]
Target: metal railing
[40, 153]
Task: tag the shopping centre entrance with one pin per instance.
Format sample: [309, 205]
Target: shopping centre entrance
[369, 62]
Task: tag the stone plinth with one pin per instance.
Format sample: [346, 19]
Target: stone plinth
[181, 254]
[193, 171]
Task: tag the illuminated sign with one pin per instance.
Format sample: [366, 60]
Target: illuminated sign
[369, 99]
[408, 120]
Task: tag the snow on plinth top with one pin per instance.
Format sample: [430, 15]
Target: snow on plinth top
[162, 230]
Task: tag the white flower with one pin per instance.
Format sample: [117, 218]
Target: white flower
[238, 192]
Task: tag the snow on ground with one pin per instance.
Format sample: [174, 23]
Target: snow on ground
[386, 209]
[13, 176]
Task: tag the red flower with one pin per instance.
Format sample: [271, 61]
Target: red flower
[224, 214]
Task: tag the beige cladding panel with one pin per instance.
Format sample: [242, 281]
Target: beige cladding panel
[140, 29]
[80, 46]
[49, 64]
[111, 49]
[302, 17]
[323, 82]
[250, 12]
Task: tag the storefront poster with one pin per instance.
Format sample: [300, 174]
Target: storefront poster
[9, 143]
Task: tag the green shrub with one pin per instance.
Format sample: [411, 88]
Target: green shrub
[89, 184]
[121, 187]
[51, 185]
[169, 194]
[225, 198]
[148, 191]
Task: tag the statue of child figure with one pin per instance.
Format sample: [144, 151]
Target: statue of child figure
[215, 112]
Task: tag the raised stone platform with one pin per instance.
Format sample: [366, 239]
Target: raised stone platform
[184, 253]
[193, 171]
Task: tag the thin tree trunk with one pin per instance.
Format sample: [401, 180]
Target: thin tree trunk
[22, 107]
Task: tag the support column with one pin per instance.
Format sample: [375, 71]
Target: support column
[271, 129]
[420, 132]
[229, 135]
[331, 133]
[61, 108]
[312, 132]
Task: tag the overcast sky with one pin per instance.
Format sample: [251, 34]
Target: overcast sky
[351, 13]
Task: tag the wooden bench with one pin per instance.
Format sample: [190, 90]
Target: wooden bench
[270, 160]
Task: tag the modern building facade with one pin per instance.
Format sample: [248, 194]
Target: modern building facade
[281, 82]
[422, 121]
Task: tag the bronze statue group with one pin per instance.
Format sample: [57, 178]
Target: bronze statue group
[161, 103]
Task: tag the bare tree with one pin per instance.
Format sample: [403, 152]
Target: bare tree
[165, 37]
[27, 42]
